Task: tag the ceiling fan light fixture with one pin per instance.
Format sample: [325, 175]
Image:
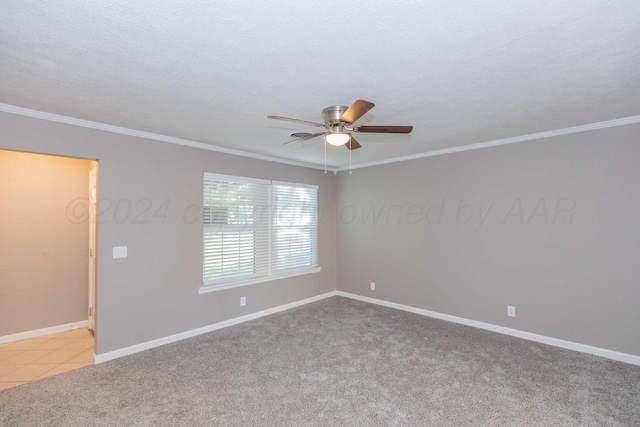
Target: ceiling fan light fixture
[339, 123]
[337, 139]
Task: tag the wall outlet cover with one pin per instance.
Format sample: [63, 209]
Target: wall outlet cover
[119, 252]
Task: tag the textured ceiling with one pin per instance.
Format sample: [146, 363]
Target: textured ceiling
[459, 71]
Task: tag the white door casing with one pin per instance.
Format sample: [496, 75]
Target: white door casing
[93, 192]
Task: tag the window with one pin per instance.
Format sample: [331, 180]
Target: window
[257, 230]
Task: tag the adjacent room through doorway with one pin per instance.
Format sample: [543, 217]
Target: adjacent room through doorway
[47, 263]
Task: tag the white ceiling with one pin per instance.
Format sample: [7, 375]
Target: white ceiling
[460, 71]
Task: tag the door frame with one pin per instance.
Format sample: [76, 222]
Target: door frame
[93, 225]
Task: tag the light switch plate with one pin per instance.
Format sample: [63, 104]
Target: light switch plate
[119, 252]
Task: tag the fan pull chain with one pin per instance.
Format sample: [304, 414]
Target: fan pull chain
[325, 157]
[349, 156]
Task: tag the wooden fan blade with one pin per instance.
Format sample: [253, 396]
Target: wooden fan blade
[352, 144]
[357, 110]
[304, 138]
[383, 129]
[288, 119]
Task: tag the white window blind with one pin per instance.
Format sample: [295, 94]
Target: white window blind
[294, 226]
[236, 227]
[256, 229]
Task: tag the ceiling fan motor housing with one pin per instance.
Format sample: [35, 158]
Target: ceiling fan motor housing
[331, 115]
[338, 122]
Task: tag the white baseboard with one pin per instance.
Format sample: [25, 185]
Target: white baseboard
[583, 348]
[105, 357]
[43, 331]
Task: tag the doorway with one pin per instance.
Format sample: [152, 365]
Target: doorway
[48, 253]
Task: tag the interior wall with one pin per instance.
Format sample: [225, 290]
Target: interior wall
[43, 252]
[150, 196]
[551, 227]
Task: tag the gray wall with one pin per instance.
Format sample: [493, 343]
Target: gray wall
[43, 255]
[550, 226]
[154, 292]
[570, 268]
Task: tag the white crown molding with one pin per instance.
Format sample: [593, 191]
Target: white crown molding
[511, 140]
[12, 109]
[44, 331]
[570, 345]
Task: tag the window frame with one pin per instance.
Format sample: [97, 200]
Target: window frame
[271, 273]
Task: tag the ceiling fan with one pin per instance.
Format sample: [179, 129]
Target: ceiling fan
[338, 122]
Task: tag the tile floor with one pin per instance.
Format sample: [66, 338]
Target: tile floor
[35, 358]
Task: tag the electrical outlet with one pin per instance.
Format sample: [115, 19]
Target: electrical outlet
[243, 301]
[511, 311]
[373, 286]
[119, 252]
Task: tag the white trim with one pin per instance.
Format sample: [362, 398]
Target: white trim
[44, 331]
[295, 184]
[583, 348]
[238, 178]
[105, 357]
[235, 178]
[12, 109]
[609, 354]
[213, 288]
[512, 140]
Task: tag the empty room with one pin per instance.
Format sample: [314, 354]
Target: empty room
[319, 213]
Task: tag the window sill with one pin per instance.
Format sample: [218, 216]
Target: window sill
[213, 288]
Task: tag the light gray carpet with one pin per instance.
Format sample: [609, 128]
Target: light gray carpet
[338, 362]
